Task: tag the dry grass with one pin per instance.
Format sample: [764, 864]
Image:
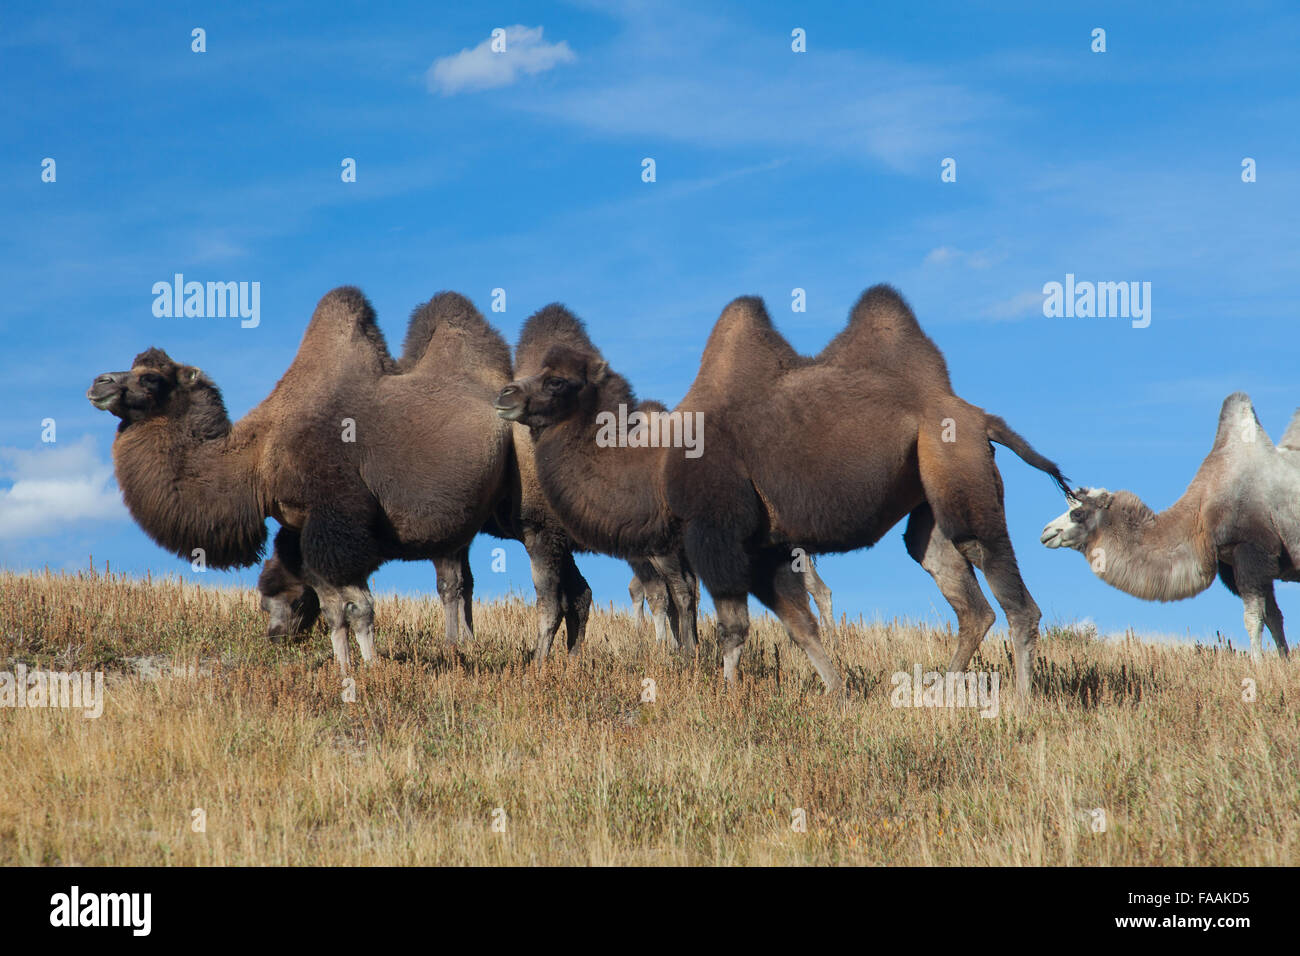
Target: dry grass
[288, 773]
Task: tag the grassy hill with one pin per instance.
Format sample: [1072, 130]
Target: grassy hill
[202, 713]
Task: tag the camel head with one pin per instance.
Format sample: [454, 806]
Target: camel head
[1089, 511]
[292, 614]
[153, 387]
[566, 384]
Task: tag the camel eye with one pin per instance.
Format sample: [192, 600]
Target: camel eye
[151, 381]
[555, 384]
[1078, 514]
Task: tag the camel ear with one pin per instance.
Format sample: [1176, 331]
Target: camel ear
[188, 375]
[597, 371]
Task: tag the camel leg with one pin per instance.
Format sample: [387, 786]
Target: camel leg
[784, 592]
[1273, 618]
[683, 590]
[1254, 575]
[577, 602]
[359, 611]
[547, 566]
[998, 562]
[649, 586]
[636, 591]
[451, 590]
[733, 628]
[956, 580]
[334, 607]
[465, 612]
[655, 589]
[964, 490]
[665, 627]
[821, 595]
[1253, 604]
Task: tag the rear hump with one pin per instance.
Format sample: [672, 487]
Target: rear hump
[448, 332]
[884, 333]
[1291, 437]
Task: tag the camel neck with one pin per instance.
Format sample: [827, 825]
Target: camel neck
[196, 497]
[607, 494]
[1165, 556]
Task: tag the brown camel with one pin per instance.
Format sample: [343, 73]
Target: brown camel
[521, 515]
[828, 451]
[648, 587]
[361, 459]
[666, 575]
[1240, 516]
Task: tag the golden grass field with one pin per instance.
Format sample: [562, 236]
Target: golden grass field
[259, 737]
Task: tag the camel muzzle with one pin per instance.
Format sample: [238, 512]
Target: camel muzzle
[509, 404]
[105, 390]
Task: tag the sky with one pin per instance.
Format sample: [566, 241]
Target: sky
[775, 170]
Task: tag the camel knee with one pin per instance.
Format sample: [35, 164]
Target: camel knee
[733, 622]
[1024, 624]
[361, 612]
[974, 623]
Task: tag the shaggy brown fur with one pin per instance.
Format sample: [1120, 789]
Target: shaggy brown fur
[521, 515]
[828, 452]
[1240, 516]
[664, 570]
[422, 476]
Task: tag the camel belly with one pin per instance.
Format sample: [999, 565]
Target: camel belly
[844, 510]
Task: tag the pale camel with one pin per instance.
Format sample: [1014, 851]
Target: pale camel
[1240, 517]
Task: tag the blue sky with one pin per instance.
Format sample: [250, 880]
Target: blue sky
[775, 170]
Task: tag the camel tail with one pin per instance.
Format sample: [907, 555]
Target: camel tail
[999, 431]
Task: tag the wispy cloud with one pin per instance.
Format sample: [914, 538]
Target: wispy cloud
[697, 79]
[483, 68]
[55, 488]
[950, 255]
[1020, 306]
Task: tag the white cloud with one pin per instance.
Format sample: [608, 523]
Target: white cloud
[483, 69]
[694, 77]
[1019, 306]
[54, 487]
[944, 255]
[941, 255]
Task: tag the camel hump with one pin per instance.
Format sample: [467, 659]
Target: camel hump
[550, 325]
[448, 332]
[745, 345]
[883, 333]
[1239, 425]
[1291, 437]
[343, 330]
